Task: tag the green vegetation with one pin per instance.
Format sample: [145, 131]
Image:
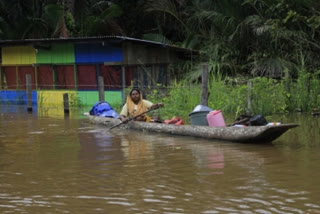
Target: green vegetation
[268, 96]
[304, 92]
[250, 37]
[75, 101]
[273, 43]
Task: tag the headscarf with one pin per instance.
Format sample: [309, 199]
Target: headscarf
[140, 106]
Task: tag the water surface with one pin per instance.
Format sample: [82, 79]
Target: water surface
[66, 165]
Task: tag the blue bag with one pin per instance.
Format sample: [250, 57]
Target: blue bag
[103, 109]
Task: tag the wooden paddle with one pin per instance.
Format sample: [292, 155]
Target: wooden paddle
[132, 118]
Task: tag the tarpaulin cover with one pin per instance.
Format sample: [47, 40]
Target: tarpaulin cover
[65, 77]
[103, 109]
[45, 77]
[23, 71]
[87, 77]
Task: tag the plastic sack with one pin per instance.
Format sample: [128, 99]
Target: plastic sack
[103, 109]
[258, 120]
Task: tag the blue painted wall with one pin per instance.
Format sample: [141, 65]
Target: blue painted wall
[17, 97]
[97, 53]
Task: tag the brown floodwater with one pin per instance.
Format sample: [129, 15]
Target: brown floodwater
[56, 164]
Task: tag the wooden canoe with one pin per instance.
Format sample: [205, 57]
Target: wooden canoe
[250, 134]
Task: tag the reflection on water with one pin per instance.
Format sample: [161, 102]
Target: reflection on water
[66, 165]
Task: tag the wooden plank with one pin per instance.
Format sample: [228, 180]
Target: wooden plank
[123, 81]
[204, 88]
[29, 92]
[101, 88]
[66, 103]
[249, 110]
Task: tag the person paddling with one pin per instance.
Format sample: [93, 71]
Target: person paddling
[136, 105]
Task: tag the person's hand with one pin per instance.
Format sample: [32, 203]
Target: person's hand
[140, 118]
[158, 105]
[124, 119]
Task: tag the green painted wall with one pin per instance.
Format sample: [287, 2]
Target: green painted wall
[57, 54]
[89, 98]
[113, 97]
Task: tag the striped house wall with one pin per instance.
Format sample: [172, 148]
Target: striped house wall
[62, 68]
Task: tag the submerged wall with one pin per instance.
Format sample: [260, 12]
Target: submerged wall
[54, 99]
[56, 69]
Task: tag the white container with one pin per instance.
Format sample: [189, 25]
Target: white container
[239, 125]
[273, 124]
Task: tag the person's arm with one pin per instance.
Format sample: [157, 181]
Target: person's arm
[157, 105]
[150, 105]
[124, 114]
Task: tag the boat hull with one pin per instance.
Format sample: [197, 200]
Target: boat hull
[250, 134]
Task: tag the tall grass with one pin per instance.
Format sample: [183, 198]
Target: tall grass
[227, 96]
[304, 92]
[268, 96]
[181, 98]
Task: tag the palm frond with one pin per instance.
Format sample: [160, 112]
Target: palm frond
[167, 7]
[272, 67]
[205, 19]
[36, 28]
[190, 42]
[112, 11]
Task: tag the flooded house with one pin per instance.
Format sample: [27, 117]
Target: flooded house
[74, 66]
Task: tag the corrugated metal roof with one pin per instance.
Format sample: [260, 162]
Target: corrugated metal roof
[112, 39]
